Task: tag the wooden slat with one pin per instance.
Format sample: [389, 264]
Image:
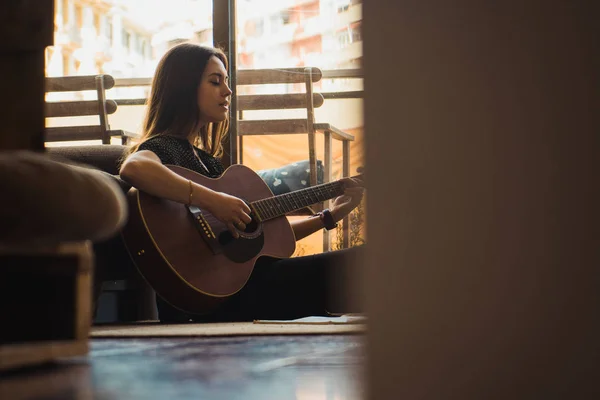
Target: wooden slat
[346, 173]
[327, 143]
[133, 81]
[354, 94]
[131, 102]
[132, 135]
[69, 133]
[273, 76]
[258, 76]
[272, 127]
[77, 108]
[288, 126]
[102, 113]
[88, 132]
[343, 73]
[335, 132]
[246, 76]
[310, 124]
[76, 83]
[276, 101]
[254, 101]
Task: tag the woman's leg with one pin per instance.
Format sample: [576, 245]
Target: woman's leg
[295, 287]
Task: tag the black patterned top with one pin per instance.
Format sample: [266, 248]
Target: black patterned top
[178, 151]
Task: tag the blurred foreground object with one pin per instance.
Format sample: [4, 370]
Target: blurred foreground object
[482, 270]
[49, 213]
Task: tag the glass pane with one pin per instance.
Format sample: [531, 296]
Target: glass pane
[124, 39]
[325, 35]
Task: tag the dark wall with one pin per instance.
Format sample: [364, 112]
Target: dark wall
[26, 28]
[483, 145]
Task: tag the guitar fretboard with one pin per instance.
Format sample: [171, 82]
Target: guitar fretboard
[283, 204]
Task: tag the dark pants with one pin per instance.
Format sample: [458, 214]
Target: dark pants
[287, 289]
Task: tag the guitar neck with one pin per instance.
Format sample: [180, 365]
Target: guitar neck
[283, 204]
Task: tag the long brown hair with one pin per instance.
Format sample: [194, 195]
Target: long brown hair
[173, 102]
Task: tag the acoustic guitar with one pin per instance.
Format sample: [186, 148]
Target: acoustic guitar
[190, 258]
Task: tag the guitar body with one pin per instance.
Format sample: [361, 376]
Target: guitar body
[187, 255]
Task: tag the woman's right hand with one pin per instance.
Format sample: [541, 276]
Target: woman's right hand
[230, 210]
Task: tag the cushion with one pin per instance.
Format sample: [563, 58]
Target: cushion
[48, 202]
[290, 177]
[104, 157]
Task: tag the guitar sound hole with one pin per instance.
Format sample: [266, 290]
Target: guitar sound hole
[249, 244]
[252, 226]
[225, 237]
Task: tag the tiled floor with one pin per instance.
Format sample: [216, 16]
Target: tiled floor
[259, 367]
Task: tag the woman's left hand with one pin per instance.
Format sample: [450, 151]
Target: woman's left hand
[353, 193]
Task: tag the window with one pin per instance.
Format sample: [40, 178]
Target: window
[319, 38]
[65, 11]
[259, 27]
[48, 52]
[204, 36]
[109, 31]
[343, 38]
[66, 64]
[356, 34]
[342, 5]
[79, 16]
[146, 50]
[126, 38]
[132, 44]
[349, 35]
[175, 42]
[279, 19]
[97, 23]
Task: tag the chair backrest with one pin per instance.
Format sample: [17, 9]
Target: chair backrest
[278, 75]
[307, 100]
[76, 108]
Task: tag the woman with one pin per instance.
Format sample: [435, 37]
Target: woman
[185, 124]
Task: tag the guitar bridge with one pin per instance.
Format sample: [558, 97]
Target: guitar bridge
[204, 228]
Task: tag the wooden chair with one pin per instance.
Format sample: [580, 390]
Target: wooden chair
[309, 100]
[100, 107]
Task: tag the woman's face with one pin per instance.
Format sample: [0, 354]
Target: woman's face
[213, 92]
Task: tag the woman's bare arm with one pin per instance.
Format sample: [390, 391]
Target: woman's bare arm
[145, 171]
[341, 207]
[304, 227]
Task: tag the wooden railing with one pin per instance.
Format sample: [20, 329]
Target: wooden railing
[327, 74]
[343, 73]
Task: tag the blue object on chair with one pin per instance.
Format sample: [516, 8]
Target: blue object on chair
[290, 177]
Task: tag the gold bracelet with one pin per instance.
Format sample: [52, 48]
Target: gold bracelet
[191, 192]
